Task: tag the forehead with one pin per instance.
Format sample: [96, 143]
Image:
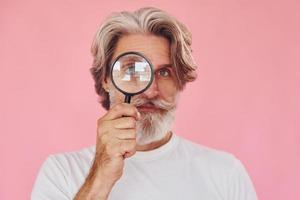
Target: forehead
[155, 48]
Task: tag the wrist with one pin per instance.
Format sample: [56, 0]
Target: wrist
[96, 186]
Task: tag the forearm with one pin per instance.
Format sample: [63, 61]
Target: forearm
[115, 138]
[95, 187]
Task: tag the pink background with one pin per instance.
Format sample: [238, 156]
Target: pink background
[245, 101]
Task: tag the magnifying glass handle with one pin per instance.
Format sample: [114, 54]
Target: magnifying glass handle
[127, 98]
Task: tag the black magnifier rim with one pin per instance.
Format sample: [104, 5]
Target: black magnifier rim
[141, 55]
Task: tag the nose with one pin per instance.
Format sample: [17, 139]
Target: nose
[152, 91]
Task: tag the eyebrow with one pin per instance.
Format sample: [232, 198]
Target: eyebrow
[159, 67]
[164, 66]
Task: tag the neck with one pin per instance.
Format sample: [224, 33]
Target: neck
[155, 144]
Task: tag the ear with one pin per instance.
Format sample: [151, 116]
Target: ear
[105, 85]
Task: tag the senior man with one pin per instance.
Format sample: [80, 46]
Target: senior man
[137, 156]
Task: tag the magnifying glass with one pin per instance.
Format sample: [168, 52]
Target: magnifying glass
[131, 73]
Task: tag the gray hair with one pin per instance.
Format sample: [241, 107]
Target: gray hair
[142, 21]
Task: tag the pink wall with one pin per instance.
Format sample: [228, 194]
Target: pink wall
[245, 101]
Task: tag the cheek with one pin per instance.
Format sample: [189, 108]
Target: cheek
[168, 90]
[116, 97]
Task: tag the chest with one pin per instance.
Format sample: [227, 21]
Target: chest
[170, 180]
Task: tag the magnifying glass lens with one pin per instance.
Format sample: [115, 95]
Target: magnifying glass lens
[131, 73]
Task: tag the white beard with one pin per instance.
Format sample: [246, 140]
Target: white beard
[152, 126]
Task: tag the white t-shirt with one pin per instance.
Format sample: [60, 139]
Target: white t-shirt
[177, 170]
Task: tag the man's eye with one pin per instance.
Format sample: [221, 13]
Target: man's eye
[129, 69]
[164, 72]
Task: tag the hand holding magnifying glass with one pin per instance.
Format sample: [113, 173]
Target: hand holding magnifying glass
[131, 73]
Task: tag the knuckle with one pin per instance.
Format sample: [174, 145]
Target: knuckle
[104, 137]
[102, 123]
[118, 107]
[101, 128]
[99, 121]
[133, 110]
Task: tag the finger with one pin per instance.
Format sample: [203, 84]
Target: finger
[127, 146]
[115, 126]
[120, 110]
[120, 147]
[129, 154]
[124, 123]
[126, 134]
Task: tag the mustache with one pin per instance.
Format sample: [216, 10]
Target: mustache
[159, 103]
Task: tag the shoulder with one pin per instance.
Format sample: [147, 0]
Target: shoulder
[212, 159]
[222, 169]
[61, 174]
[71, 163]
[84, 155]
[65, 162]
